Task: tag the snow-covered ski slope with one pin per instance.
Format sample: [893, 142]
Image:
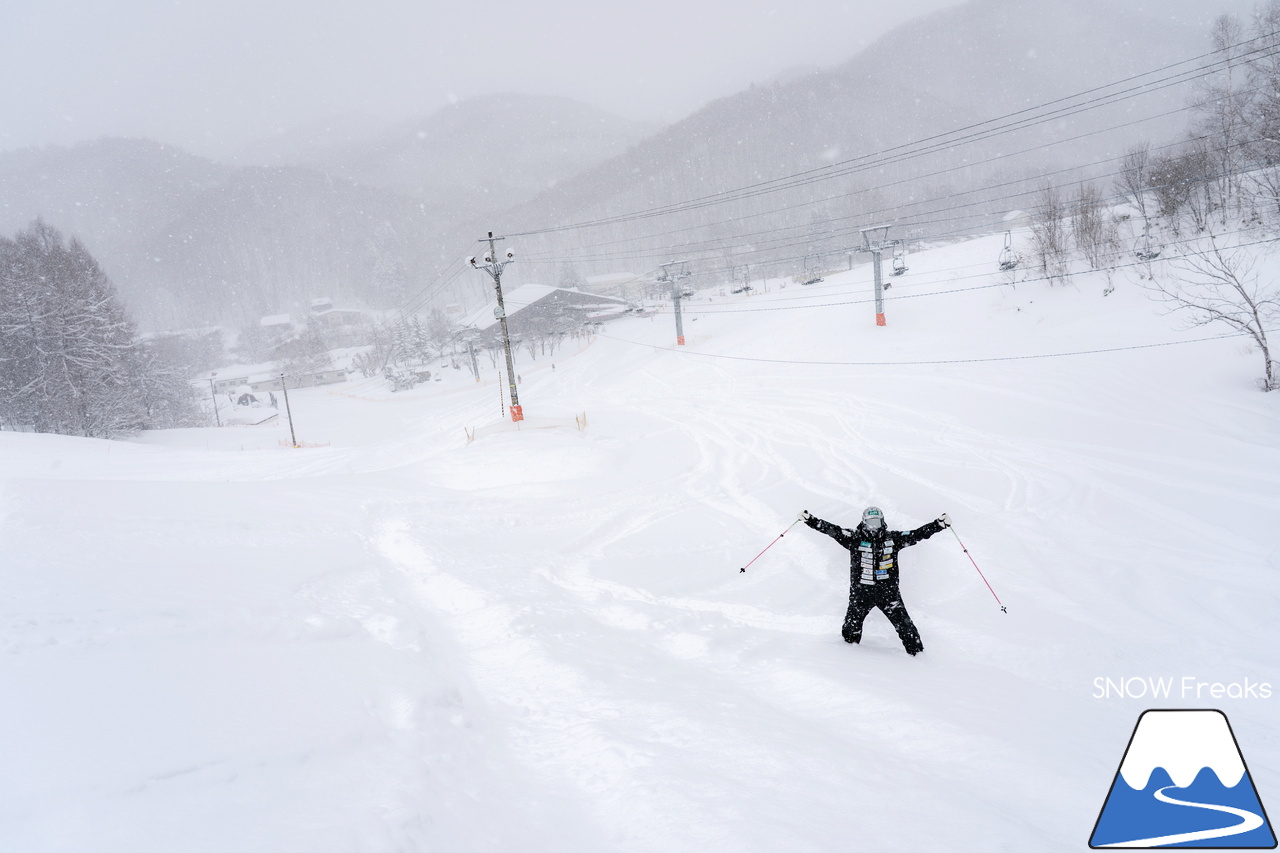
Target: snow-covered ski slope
[540, 640]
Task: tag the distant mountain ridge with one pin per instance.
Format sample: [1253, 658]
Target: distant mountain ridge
[961, 65]
[188, 240]
[505, 146]
[508, 146]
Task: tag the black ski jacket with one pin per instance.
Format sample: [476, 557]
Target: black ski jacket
[874, 554]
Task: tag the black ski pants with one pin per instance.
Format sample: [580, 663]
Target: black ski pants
[863, 598]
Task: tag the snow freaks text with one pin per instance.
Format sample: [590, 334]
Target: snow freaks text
[1185, 687]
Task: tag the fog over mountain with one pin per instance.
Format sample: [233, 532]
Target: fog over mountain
[187, 239]
[958, 67]
[211, 78]
[317, 210]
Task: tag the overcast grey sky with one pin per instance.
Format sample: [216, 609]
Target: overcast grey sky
[213, 75]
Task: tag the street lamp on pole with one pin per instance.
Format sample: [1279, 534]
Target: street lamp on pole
[494, 268]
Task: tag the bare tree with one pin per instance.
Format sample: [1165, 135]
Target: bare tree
[1263, 116]
[306, 353]
[1182, 185]
[442, 332]
[1205, 191]
[1092, 227]
[381, 342]
[1135, 177]
[1220, 286]
[1049, 235]
[1222, 103]
[1264, 81]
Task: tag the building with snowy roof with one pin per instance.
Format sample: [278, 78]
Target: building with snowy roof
[324, 314]
[541, 309]
[232, 379]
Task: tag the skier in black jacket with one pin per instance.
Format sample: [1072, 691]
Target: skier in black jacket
[873, 571]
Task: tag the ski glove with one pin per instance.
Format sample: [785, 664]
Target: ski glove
[804, 515]
[945, 519]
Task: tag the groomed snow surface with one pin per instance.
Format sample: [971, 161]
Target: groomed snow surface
[541, 641]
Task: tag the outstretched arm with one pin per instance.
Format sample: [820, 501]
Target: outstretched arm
[840, 534]
[924, 531]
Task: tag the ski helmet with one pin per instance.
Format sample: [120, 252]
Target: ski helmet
[872, 518]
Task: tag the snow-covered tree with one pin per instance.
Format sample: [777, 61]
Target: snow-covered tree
[308, 352]
[569, 277]
[165, 389]
[1222, 104]
[1220, 286]
[1134, 180]
[1181, 184]
[70, 358]
[1263, 118]
[1049, 233]
[1093, 228]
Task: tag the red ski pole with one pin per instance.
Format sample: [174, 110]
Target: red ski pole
[1003, 609]
[771, 544]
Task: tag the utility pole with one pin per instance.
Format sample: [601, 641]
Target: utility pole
[875, 240]
[293, 438]
[214, 395]
[471, 350]
[675, 277]
[494, 268]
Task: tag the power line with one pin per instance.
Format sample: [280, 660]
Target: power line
[926, 362]
[902, 152]
[711, 311]
[721, 244]
[799, 240]
[948, 139]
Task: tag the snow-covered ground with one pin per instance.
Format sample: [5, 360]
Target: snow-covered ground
[398, 640]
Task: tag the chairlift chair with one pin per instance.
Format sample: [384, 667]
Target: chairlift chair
[1147, 249]
[899, 261]
[1008, 257]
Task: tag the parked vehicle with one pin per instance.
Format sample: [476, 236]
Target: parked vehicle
[404, 378]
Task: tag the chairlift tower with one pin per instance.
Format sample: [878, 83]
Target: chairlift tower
[875, 240]
[494, 267]
[675, 272]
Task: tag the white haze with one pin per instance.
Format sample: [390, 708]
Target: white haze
[212, 77]
[215, 77]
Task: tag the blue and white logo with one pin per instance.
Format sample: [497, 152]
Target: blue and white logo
[1183, 783]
